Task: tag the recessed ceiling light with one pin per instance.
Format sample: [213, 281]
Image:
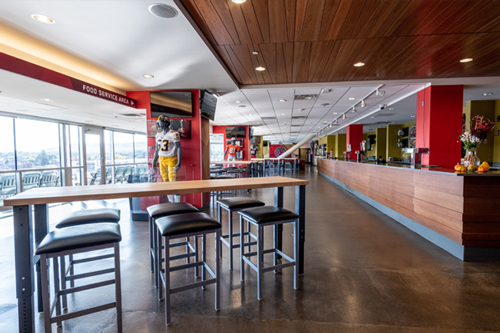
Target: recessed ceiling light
[359, 64]
[237, 102]
[324, 122]
[255, 52]
[283, 114]
[88, 121]
[43, 19]
[335, 113]
[148, 76]
[282, 100]
[239, 1]
[162, 10]
[487, 94]
[352, 98]
[391, 109]
[260, 68]
[47, 100]
[412, 116]
[466, 60]
[372, 117]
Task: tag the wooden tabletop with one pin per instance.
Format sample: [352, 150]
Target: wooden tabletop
[101, 192]
[232, 162]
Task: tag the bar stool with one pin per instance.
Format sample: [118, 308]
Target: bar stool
[81, 217]
[261, 217]
[72, 240]
[161, 210]
[233, 205]
[221, 193]
[180, 226]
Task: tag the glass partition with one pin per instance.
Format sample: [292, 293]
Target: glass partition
[124, 147]
[7, 158]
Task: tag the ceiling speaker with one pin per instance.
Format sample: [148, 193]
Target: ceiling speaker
[162, 10]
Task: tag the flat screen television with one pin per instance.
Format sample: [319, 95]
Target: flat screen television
[235, 132]
[171, 103]
[208, 104]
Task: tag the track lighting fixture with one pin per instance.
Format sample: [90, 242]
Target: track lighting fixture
[353, 109]
[380, 92]
[330, 125]
[343, 116]
[363, 104]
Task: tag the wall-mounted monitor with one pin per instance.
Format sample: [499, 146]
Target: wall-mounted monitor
[208, 104]
[171, 103]
[405, 131]
[235, 132]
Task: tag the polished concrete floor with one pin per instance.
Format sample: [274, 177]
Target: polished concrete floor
[363, 273]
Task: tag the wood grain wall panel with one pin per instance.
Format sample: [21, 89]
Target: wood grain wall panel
[392, 12]
[438, 201]
[222, 10]
[248, 77]
[288, 52]
[281, 70]
[303, 63]
[221, 50]
[313, 21]
[278, 22]
[252, 24]
[298, 51]
[214, 23]
[349, 50]
[364, 17]
[320, 50]
[240, 24]
[339, 19]
[400, 17]
[419, 14]
[290, 19]
[195, 13]
[268, 53]
[300, 16]
[329, 12]
[439, 214]
[260, 8]
[330, 61]
[367, 50]
[352, 19]
[376, 21]
[440, 12]
[476, 19]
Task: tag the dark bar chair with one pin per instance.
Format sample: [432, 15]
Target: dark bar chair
[73, 240]
[261, 217]
[180, 226]
[233, 205]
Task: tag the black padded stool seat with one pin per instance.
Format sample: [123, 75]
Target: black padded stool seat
[165, 209]
[79, 236]
[186, 223]
[268, 214]
[90, 216]
[239, 203]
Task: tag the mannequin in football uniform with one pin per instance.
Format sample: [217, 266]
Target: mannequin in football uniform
[232, 148]
[168, 150]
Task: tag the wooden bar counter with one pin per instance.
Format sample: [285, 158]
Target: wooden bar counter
[458, 212]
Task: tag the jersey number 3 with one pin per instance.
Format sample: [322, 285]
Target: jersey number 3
[163, 145]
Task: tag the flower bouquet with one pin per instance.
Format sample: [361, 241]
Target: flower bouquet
[480, 127]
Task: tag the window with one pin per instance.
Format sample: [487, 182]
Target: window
[124, 147]
[108, 146]
[141, 149]
[7, 158]
[75, 134]
[37, 144]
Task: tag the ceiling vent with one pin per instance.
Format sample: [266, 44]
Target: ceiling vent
[130, 115]
[162, 10]
[299, 117]
[296, 125]
[306, 97]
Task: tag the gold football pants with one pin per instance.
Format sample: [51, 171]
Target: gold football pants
[167, 168]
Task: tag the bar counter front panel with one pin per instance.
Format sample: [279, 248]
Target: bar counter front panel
[461, 207]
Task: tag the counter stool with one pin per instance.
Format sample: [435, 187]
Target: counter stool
[72, 240]
[180, 226]
[81, 217]
[162, 210]
[261, 217]
[233, 205]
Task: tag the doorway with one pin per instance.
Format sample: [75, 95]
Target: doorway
[93, 154]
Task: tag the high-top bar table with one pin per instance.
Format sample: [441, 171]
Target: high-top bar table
[28, 233]
[280, 160]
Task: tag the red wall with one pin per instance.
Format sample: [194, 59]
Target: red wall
[439, 122]
[246, 148]
[354, 136]
[195, 164]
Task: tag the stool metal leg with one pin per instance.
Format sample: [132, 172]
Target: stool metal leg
[230, 219]
[249, 239]
[188, 258]
[45, 293]
[217, 272]
[151, 242]
[260, 260]
[296, 255]
[56, 272]
[118, 288]
[196, 257]
[158, 265]
[71, 270]
[204, 257]
[63, 282]
[242, 250]
[167, 280]
[220, 221]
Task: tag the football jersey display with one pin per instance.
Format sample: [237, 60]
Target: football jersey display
[232, 149]
[166, 143]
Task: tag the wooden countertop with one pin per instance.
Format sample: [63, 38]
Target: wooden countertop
[232, 162]
[117, 191]
[433, 169]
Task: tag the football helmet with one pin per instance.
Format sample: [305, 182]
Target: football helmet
[162, 123]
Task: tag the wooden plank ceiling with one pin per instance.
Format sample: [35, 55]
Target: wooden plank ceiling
[301, 41]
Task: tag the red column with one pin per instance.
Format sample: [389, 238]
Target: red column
[354, 136]
[439, 122]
